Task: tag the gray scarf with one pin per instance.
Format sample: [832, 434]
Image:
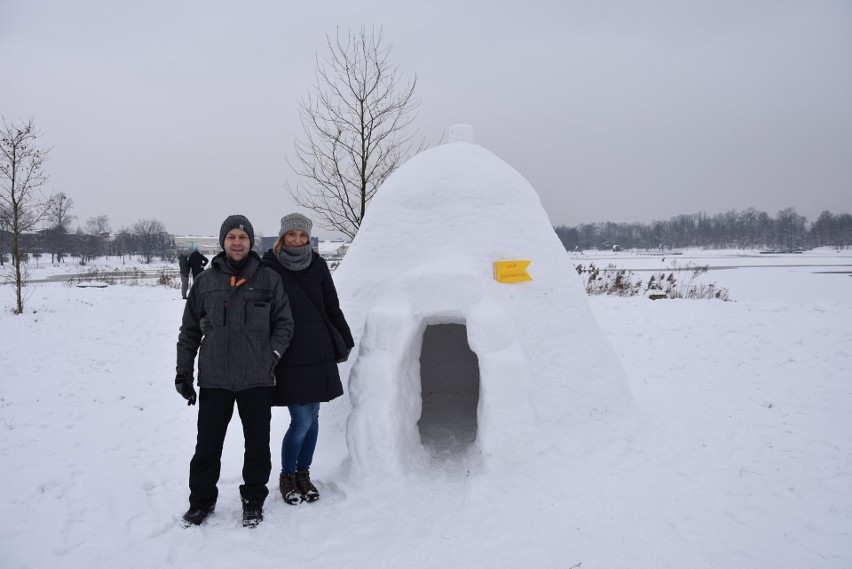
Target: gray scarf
[295, 258]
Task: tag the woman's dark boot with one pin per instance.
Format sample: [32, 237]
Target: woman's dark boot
[289, 490]
[303, 483]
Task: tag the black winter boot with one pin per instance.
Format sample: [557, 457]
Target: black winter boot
[289, 490]
[252, 513]
[194, 516]
[308, 491]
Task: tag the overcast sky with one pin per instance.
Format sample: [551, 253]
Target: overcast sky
[614, 110]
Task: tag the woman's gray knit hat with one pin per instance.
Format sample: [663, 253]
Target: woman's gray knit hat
[236, 222]
[295, 222]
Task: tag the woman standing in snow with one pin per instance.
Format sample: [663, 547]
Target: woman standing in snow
[307, 372]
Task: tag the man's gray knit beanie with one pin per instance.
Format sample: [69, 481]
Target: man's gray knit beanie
[236, 222]
[295, 222]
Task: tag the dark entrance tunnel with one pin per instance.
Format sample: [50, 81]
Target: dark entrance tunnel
[449, 379]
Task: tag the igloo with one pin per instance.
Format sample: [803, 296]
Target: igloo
[449, 361]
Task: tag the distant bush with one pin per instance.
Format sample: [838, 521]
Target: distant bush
[615, 281]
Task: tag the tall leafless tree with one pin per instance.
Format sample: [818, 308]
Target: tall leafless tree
[122, 245]
[5, 235]
[59, 215]
[98, 225]
[21, 177]
[790, 229]
[59, 220]
[92, 242]
[356, 129]
[151, 238]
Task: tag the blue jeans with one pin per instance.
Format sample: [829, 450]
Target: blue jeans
[297, 448]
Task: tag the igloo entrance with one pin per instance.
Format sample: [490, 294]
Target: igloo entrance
[450, 387]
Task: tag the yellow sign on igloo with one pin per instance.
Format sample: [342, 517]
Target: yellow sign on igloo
[511, 271]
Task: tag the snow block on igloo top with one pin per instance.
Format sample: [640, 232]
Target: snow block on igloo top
[425, 255]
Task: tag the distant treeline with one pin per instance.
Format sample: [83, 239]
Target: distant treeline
[749, 229]
[147, 238]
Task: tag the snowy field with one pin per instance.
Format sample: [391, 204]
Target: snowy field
[743, 458]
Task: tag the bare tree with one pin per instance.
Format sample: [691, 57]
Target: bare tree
[5, 235]
[790, 229]
[59, 220]
[122, 244]
[21, 177]
[355, 130]
[98, 225]
[59, 215]
[151, 238]
[92, 243]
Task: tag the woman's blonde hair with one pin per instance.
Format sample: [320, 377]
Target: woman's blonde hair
[278, 245]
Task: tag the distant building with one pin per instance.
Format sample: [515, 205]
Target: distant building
[206, 244]
[266, 243]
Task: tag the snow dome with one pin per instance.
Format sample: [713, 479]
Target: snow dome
[449, 362]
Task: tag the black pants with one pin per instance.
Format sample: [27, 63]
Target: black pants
[215, 409]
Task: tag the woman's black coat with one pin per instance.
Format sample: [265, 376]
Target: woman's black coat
[307, 372]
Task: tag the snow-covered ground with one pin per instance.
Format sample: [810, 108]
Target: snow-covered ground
[743, 457]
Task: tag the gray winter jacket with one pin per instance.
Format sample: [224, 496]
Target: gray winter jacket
[244, 326]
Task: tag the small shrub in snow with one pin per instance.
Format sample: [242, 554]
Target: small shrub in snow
[616, 281]
[610, 280]
[168, 278]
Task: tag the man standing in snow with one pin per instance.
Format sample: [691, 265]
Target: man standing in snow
[183, 265]
[241, 310]
[197, 262]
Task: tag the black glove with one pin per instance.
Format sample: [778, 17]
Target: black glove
[183, 385]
